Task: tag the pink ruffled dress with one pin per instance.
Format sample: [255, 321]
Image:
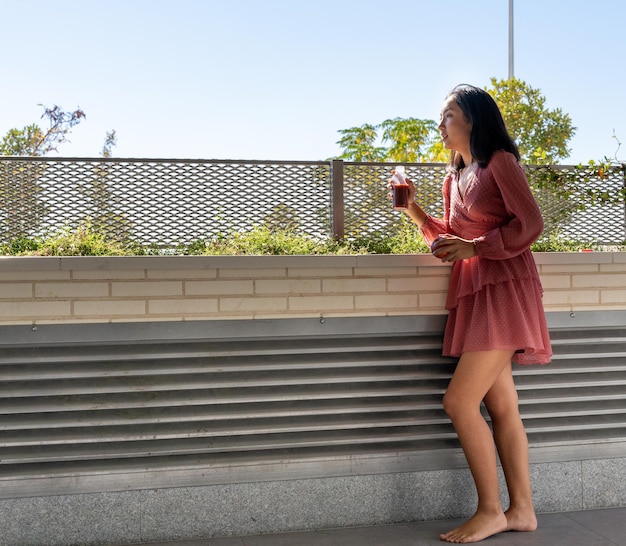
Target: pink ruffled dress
[494, 298]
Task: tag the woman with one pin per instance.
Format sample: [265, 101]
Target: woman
[494, 303]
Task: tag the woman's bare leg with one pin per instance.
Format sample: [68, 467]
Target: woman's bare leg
[512, 443]
[475, 375]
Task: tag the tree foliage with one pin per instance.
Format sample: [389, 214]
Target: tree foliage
[408, 139]
[394, 140]
[542, 134]
[359, 144]
[110, 141]
[21, 208]
[32, 140]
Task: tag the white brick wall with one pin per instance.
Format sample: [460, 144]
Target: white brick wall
[117, 289]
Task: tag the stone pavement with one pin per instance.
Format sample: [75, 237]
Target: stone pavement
[605, 527]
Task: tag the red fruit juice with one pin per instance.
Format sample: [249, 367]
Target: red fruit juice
[400, 189]
[400, 196]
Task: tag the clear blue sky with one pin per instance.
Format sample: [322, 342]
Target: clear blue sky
[277, 79]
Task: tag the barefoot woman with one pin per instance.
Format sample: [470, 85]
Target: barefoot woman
[494, 303]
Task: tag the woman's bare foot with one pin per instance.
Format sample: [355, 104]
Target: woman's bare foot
[478, 527]
[521, 520]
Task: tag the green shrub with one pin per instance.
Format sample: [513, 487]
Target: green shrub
[82, 241]
[258, 241]
[85, 240]
[555, 242]
[262, 240]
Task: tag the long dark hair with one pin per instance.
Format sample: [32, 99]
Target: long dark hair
[489, 132]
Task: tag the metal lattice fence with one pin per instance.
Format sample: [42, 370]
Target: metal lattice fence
[366, 204]
[161, 202]
[560, 190]
[165, 203]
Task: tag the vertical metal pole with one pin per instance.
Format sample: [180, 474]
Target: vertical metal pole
[336, 196]
[511, 76]
[623, 165]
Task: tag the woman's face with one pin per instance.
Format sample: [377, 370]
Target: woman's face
[455, 128]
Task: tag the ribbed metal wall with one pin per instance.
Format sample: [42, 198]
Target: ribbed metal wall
[106, 399]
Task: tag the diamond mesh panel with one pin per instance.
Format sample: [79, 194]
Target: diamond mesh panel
[169, 202]
[162, 202]
[560, 190]
[367, 206]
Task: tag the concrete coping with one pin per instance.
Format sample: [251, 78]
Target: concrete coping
[64, 263]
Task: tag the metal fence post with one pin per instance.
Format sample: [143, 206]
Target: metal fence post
[623, 165]
[336, 195]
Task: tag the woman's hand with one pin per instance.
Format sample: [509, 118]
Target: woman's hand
[450, 248]
[411, 191]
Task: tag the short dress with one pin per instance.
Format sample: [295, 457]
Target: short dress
[494, 298]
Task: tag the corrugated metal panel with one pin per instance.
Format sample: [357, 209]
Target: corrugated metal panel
[130, 399]
[581, 396]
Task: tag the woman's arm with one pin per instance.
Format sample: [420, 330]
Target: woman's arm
[525, 224]
[430, 227]
[416, 213]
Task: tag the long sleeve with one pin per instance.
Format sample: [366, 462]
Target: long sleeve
[524, 224]
[494, 298]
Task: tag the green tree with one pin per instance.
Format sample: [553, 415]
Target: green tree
[23, 142]
[104, 219]
[32, 140]
[394, 140]
[542, 135]
[359, 144]
[408, 139]
[21, 207]
[110, 141]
